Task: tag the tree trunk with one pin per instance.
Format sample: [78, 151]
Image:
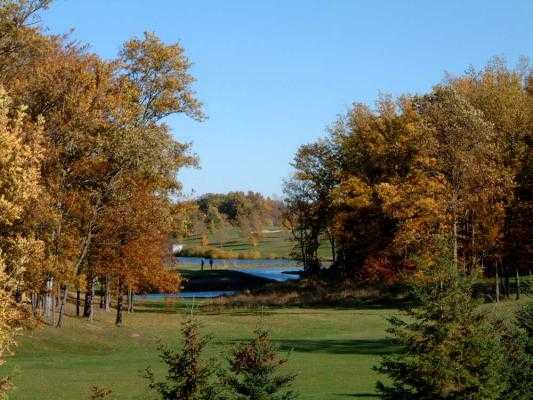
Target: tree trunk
[130, 300]
[18, 296]
[34, 303]
[497, 285]
[62, 307]
[78, 302]
[88, 310]
[53, 310]
[118, 320]
[474, 260]
[107, 299]
[517, 284]
[332, 245]
[48, 301]
[506, 282]
[333, 250]
[455, 263]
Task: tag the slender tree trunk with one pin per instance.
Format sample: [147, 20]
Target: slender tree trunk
[333, 250]
[62, 307]
[120, 300]
[78, 302]
[497, 285]
[48, 301]
[130, 300]
[34, 304]
[53, 310]
[88, 309]
[18, 296]
[517, 284]
[474, 259]
[107, 301]
[118, 320]
[506, 282]
[455, 258]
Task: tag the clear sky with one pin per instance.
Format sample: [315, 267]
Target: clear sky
[273, 74]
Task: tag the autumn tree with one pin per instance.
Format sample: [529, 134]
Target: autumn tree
[375, 147]
[102, 127]
[131, 245]
[308, 199]
[251, 226]
[20, 158]
[504, 96]
[453, 161]
[303, 224]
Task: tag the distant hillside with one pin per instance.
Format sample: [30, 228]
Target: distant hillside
[275, 243]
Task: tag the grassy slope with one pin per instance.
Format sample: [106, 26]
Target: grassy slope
[333, 350]
[275, 243]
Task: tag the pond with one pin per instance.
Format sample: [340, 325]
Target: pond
[239, 263]
[185, 295]
[275, 274]
[277, 270]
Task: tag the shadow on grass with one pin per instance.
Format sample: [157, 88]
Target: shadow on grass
[180, 306]
[183, 308]
[359, 395]
[356, 346]
[161, 308]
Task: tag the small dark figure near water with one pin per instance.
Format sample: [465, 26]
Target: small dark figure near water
[202, 263]
[211, 263]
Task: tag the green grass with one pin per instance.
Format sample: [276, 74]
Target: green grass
[333, 351]
[276, 243]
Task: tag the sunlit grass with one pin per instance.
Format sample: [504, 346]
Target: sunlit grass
[275, 243]
[332, 350]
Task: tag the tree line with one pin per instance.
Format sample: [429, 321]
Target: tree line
[214, 214]
[387, 181]
[87, 164]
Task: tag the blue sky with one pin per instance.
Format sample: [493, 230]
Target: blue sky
[274, 74]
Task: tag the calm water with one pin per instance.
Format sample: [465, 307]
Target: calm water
[276, 270]
[185, 295]
[276, 274]
[238, 264]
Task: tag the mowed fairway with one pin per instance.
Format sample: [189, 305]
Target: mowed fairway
[331, 350]
[275, 242]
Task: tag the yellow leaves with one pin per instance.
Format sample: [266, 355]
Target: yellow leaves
[353, 193]
[419, 204]
[160, 72]
[19, 163]
[388, 194]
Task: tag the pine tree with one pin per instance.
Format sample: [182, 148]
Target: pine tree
[253, 371]
[525, 322]
[519, 363]
[189, 377]
[451, 351]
